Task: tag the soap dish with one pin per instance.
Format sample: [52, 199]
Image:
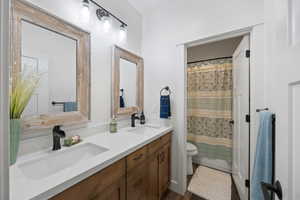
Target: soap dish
[70, 141]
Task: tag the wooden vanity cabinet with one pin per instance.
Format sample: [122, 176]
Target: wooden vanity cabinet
[136, 175]
[159, 167]
[142, 175]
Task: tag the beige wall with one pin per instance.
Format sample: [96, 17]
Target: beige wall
[223, 48]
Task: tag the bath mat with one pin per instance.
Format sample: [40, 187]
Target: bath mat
[211, 184]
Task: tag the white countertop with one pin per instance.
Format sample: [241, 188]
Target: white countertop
[118, 144]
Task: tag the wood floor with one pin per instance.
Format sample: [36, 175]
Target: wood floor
[189, 196]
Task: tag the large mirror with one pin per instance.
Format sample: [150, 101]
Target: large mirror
[59, 53]
[127, 82]
[53, 57]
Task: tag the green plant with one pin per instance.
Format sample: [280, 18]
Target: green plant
[21, 90]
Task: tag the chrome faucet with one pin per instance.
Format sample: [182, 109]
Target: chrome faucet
[57, 134]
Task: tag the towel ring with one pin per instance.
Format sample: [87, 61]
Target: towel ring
[122, 92]
[167, 89]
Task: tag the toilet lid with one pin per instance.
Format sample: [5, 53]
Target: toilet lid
[190, 147]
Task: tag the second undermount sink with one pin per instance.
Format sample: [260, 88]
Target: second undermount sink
[59, 160]
[143, 129]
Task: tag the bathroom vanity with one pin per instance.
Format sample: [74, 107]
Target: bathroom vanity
[131, 164]
[143, 174]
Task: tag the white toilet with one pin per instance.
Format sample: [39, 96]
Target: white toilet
[191, 151]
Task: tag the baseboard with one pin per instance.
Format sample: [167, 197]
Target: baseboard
[175, 187]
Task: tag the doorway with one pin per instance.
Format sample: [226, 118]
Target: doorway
[218, 103]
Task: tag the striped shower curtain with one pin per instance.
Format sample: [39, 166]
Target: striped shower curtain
[210, 111]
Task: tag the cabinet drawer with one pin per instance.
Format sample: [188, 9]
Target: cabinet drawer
[166, 138]
[136, 158]
[154, 146]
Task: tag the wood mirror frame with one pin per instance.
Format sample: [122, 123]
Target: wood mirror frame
[119, 53]
[25, 11]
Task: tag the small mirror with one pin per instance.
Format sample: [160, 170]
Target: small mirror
[128, 83]
[48, 54]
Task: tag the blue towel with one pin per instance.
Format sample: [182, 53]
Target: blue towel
[263, 169]
[122, 102]
[70, 106]
[165, 106]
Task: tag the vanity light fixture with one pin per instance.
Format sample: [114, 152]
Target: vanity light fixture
[85, 11]
[104, 15]
[86, 3]
[123, 28]
[123, 32]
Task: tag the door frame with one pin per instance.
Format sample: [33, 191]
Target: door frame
[256, 33]
[4, 84]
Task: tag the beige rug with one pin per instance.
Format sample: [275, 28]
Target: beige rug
[210, 184]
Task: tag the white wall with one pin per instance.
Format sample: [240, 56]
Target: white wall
[4, 44]
[174, 22]
[101, 44]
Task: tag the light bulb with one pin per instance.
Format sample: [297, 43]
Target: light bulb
[85, 11]
[123, 32]
[106, 23]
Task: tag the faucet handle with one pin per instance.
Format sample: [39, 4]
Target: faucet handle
[60, 132]
[56, 128]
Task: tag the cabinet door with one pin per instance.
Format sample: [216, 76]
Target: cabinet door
[115, 191]
[153, 177]
[137, 180]
[108, 184]
[164, 170]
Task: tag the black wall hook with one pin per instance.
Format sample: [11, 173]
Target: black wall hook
[269, 190]
[263, 109]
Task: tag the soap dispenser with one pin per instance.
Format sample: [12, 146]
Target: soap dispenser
[142, 118]
[113, 125]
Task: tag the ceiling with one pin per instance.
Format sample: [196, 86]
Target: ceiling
[144, 6]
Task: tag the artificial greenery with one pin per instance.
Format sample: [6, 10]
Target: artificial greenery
[21, 91]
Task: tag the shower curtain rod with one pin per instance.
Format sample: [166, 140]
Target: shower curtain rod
[209, 59]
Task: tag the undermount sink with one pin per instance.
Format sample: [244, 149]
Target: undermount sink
[59, 160]
[143, 129]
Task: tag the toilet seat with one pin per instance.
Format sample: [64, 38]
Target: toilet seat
[191, 148]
